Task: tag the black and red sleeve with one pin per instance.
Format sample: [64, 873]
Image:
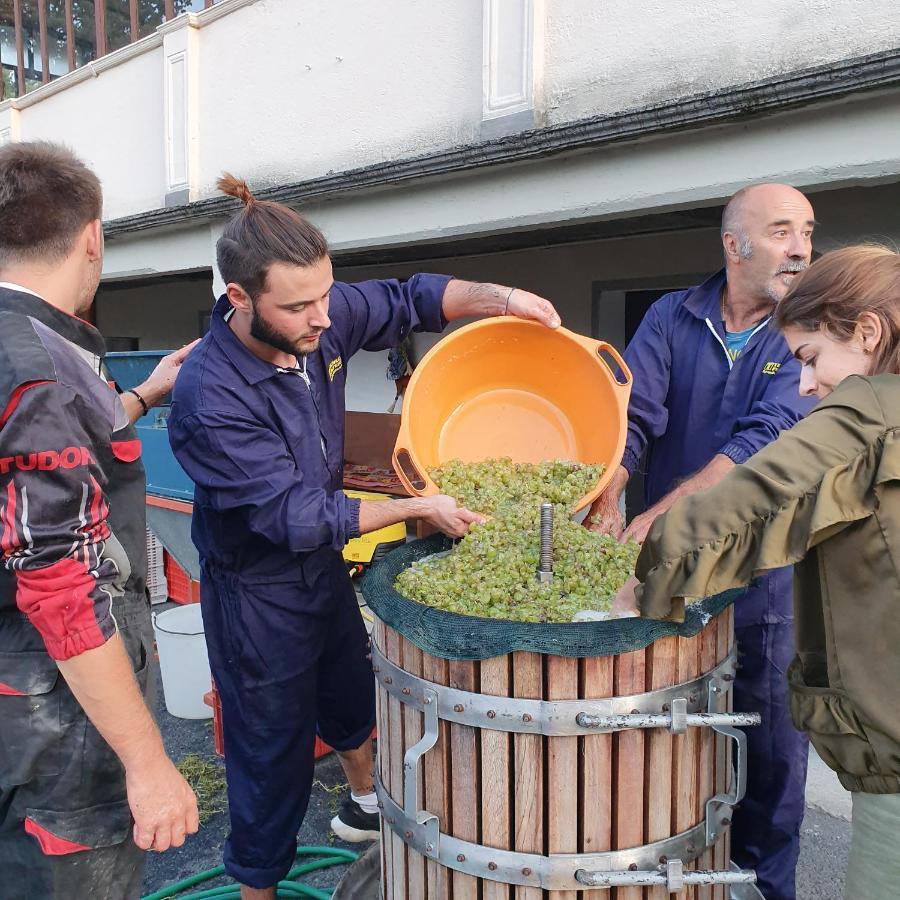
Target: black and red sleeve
[53, 517]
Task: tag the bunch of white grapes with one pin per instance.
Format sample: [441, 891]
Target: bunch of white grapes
[492, 572]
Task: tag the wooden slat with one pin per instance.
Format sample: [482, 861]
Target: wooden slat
[20, 48]
[562, 767]
[685, 750]
[528, 818]
[100, 22]
[382, 760]
[412, 732]
[465, 787]
[437, 781]
[662, 668]
[45, 49]
[395, 740]
[496, 814]
[70, 36]
[596, 775]
[170, 10]
[706, 758]
[628, 778]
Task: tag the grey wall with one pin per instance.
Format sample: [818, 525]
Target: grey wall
[163, 315]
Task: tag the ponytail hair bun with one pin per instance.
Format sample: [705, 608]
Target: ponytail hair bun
[236, 187]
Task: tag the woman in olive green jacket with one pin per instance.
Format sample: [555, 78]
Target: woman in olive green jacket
[825, 496]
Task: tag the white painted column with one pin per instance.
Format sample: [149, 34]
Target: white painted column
[513, 62]
[10, 125]
[181, 74]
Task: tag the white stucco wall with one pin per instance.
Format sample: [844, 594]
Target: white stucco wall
[295, 90]
[603, 57]
[112, 122]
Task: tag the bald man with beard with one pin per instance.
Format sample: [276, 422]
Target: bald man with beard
[713, 384]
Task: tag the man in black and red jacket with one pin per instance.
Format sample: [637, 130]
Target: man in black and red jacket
[85, 784]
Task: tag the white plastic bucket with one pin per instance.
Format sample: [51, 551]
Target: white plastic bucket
[183, 661]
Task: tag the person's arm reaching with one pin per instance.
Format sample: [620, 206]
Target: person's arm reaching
[606, 513]
[159, 383]
[472, 298]
[440, 511]
[54, 543]
[810, 483]
[779, 408]
[221, 452]
[382, 313]
[712, 473]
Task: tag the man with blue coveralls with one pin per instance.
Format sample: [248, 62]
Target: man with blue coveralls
[713, 384]
[257, 421]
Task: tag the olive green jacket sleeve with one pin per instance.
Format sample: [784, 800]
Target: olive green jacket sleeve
[807, 485]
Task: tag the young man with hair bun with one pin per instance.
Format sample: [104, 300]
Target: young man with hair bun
[257, 421]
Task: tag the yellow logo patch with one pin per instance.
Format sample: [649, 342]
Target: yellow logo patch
[336, 365]
[770, 368]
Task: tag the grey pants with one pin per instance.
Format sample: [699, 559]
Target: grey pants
[874, 869]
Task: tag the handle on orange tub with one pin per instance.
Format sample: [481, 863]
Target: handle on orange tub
[603, 347]
[592, 345]
[407, 467]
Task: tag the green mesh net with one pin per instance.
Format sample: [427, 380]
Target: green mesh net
[452, 636]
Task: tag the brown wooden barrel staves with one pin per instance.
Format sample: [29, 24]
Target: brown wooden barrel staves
[552, 795]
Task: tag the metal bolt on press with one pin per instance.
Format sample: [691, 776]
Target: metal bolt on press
[545, 569]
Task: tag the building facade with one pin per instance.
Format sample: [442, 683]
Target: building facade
[578, 148]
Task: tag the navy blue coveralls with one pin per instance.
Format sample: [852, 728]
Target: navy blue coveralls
[287, 646]
[690, 402]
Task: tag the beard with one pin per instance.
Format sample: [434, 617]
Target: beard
[774, 293]
[89, 288]
[265, 332]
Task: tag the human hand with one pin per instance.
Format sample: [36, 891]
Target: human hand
[605, 517]
[454, 521]
[625, 603]
[525, 305]
[162, 803]
[162, 378]
[640, 525]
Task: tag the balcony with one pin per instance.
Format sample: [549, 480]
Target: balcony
[40, 40]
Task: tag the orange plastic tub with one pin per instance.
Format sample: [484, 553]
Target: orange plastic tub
[508, 387]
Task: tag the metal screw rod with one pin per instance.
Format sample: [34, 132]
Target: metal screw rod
[664, 720]
[545, 571]
[635, 879]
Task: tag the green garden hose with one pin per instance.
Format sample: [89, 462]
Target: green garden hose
[331, 856]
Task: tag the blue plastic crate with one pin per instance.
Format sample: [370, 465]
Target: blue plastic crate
[131, 368]
[165, 477]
